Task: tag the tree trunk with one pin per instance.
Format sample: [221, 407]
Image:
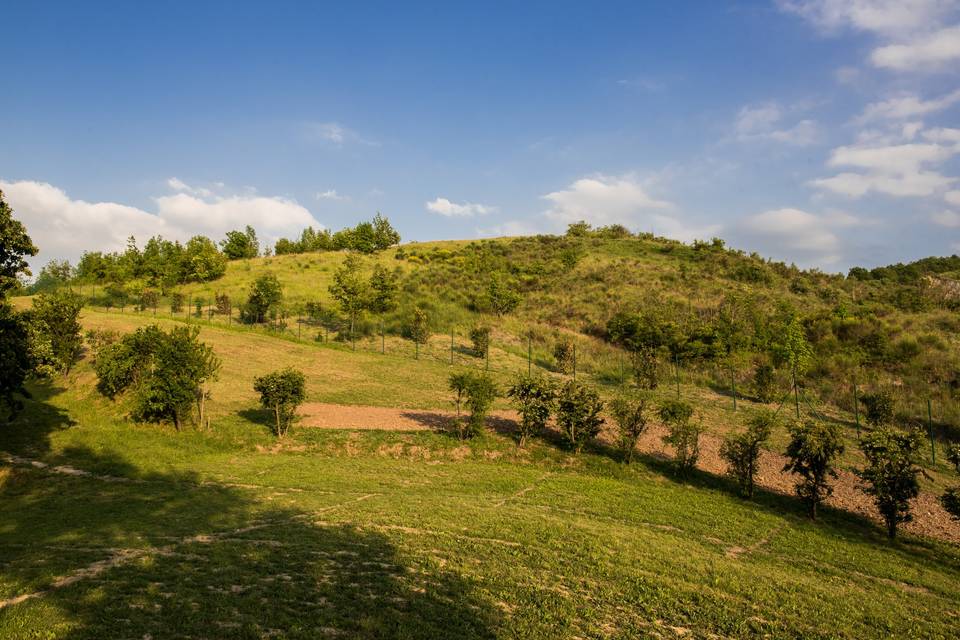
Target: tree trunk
[813, 509]
[276, 413]
[176, 420]
[891, 528]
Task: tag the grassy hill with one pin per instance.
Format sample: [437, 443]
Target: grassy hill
[117, 529]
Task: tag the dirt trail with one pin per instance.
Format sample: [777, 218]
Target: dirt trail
[930, 519]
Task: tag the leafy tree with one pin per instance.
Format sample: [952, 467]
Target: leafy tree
[794, 349]
[951, 502]
[383, 290]
[53, 275]
[149, 299]
[502, 297]
[578, 229]
[741, 451]
[683, 434]
[630, 414]
[176, 303]
[480, 340]
[812, 449]
[564, 353]
[578, 414]
[167, 372]
[15, 359]
[350, 289]
[646, 367]
[56, 319]
[891, 473]
[222, 303]
[265, 296]
[15, 246]
[953, 456]
[282, 392]
[764, 382]
[202, 261]
[534, 397]
[384, 235]
[879, 408]
[241, 244]
[477, 392]
[418, 327]
[363, 238]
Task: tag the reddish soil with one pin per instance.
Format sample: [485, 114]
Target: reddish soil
[929, 517]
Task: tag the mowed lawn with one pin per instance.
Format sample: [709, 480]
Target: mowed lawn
[227, 533]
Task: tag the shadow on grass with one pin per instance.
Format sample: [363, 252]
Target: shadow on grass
[165, 555]
[260, 416]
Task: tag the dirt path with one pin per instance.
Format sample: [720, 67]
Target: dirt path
[930, 519]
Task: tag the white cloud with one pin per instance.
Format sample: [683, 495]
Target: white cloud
[889, 18]
[897, 170]
[336, 134]
[947, 219]
[907, 105]
[330, 194]
[913, 33]
[952, 197]
[510, 228]
[931, 52]
[179, 185]
[847, 75]
[797, 235]
[62, 227]
[759, 122]
[445, 207]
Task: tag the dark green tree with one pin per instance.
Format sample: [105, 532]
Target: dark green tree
[578, 414]
[384, 235]
[879, 407]
[15, 359]
[350, 289]
[811, 452]
[56, 320]
[502, 296]
[891, 473]
[480, 340]
[266, 294]
[477, 392]
[383, 290]
[282, 392]
[15, 247]
[202, 261]
[241, 244]
[630, 412]
[683, 434]
[535, 398]
[741, 451]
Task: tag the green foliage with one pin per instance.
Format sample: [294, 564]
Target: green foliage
[241, 244]
[418, 326]
[149, 299]
[812, 449]
[15, 358]
[951, 502]
[646, 367]
[502, 297]
[55, 318]
[480, 340]
[54, 275]
[578, 414]
[579, 229]
[476, 392]
[383, 290]
[953, 456]
[683, 434]
[350, 289]
[15, 247]
[764, 382]
[891, 473]
[564, 355]
[793, 349]
[282, 392]
[630, 414]
[202, 262]
[879, 407]
[366, 237]
[741, 451]
[265, 297]
[166, 371]
[534, 397]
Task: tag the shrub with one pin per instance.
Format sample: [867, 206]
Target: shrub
[630, 414]
[502, 296]
[764, 382]
[953, 456]
[742, 451]
[578, 414]
[223, 305]
[265, 296]
[812, 449]
[15, 360]
[564, 354]
[282, 392]
[176, 303]
[477, 392]
[891, 473]
[535, 398]
[55, 319]
[418, 327]
[683, 433]
[646, 367]
[951, 502]
[149, 299]
[879, 408]
[480, 338]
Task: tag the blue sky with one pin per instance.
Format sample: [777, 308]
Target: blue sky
[819, 132]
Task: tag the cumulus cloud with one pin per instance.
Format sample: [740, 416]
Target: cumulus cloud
[510, 228]
[796, 235]
[330, 194]
[63, 227]
[604, 200]
[907, 105]
[762, 122]
[897, 170]
[450, 209]
[952, 197]
[914, 34]
[947, 219]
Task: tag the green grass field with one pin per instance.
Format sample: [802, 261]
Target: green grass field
[227, 533]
